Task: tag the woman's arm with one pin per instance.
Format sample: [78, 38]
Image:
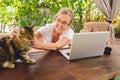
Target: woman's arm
[38, 35]
[51, 46]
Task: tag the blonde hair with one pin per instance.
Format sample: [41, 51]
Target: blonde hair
[66, 11]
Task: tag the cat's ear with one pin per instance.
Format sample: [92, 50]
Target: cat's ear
[32, 26]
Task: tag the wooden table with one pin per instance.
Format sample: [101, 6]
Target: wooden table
[53, 66]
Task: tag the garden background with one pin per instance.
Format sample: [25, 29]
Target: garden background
[14, 13]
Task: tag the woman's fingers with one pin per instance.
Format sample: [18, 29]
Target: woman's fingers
[36, 43]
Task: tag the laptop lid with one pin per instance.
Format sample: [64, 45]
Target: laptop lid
[86, 44]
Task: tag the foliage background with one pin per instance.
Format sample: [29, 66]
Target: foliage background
[39, 12]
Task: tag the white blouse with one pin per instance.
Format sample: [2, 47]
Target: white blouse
[47, 32]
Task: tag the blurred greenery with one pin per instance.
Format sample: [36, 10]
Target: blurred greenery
[39, 12]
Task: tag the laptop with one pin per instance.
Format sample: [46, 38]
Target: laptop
[85, 45]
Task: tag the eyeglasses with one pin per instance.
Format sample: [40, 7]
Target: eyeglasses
[65, 23]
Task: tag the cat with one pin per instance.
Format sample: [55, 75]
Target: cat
[16, 47]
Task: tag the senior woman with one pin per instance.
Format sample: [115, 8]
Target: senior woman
[57, 34]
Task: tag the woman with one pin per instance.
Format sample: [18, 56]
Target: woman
[57, 34]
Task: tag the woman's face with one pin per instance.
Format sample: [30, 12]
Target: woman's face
[63, 22]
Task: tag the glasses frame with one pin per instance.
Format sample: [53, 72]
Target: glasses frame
[62, 22]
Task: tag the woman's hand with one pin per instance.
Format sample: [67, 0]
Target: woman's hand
[37, 44]
[13, 33]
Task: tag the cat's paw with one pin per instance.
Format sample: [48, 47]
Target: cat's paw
[27, 59]
[32, 61]
[7, 64]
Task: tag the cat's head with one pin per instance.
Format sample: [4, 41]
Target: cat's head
[26, 33]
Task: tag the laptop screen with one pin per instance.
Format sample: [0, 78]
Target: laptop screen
[88, 44]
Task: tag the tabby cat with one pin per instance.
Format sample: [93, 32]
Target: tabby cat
[16, 47]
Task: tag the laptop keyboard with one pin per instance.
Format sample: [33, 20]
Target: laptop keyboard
[67, 54]
[65, 51]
